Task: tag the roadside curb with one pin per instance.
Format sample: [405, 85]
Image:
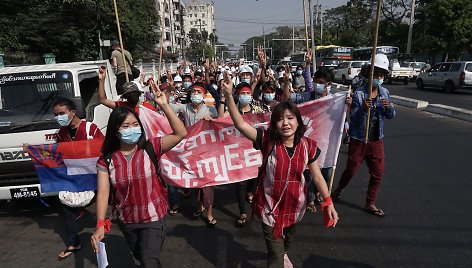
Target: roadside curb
[412, 103]
[449, 111]
[454, 112]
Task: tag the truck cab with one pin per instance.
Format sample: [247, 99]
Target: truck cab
[26, 97]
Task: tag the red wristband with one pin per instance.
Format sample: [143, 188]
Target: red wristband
[327, 201]
[106, 223]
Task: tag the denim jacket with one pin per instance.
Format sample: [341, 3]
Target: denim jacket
[359, 114]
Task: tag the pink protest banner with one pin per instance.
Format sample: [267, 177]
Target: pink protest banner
[214, 152]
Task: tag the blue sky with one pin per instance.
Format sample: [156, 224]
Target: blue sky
[259, 14]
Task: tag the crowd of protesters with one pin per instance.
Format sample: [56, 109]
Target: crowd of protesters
[290, 180]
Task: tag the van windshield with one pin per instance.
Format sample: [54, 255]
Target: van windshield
[26, 99]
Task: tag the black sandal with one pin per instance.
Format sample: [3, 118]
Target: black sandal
[197, 214]
[174, 212]
[211, 223]
[311, 207]
[241, 222]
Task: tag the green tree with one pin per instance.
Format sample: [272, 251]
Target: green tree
[69, 28]
[443, 26]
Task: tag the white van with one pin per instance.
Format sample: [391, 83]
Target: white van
[26, 97]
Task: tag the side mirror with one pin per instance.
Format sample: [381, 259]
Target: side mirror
[79, 103]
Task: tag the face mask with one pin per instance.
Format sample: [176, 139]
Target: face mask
[63, 120]
[377, 82]
[196, 98]
[269, 96]
[130, 135]
[212, 82]
[299, 72]
[245, 99]
[319, 88]
[171, 99]
[187, 84]
[246, 81]
[179, 85]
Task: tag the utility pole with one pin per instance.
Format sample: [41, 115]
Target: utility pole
[312, 31]
[263, 33]
[410, 29]
[201, 38]
[171, 25]
[253, 56]
[321, 26]
[293, 39]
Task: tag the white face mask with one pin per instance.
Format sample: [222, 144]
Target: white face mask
[196, 98]
[63, 120]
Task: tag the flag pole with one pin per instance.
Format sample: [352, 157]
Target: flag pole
[121, 41]
[162, 41]
[306, 25]
[371, 75]
[338, 145]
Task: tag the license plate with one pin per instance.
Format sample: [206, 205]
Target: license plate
[24, 193]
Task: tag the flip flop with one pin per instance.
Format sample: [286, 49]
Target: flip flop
[174, 212]
[67, 250]
[197, 214]
[311, 207]
[241, 222]
[376, 212]
[211, 223]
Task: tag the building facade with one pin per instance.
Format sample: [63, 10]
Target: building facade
[174, 34]
[200, 14]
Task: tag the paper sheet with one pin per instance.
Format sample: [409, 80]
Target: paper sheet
[102, 259]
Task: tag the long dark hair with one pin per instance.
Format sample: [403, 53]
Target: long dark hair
[277, 112]
[112, 139]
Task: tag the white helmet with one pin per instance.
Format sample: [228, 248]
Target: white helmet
[381, 61]
[177, 78]
[220, 77]
[245, 69]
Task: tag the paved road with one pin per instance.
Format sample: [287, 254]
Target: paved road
[460, 98]
[426, 194]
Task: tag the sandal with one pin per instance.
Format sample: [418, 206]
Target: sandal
[249, 198]
[241, 222]
[197, 214]
[311, 207]
[68, 250]
[211, 223]
[174, 212]
[336, 195]
[376, 212]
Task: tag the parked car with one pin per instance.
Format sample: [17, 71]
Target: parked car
[447, 75]
[330, 64]
[347, 70]
[417, 66]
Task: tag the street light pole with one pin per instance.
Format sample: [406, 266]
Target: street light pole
[410, 29]
[312, 32]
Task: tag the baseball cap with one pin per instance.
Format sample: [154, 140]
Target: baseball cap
[130, 87]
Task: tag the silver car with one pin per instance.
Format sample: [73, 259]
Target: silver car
[447, 75]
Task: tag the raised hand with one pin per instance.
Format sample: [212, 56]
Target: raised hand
[262, 56]
[227, 84]
[309, 56]
[102, 72]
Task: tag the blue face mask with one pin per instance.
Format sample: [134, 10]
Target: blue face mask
[63, 120]
[245, 99]
[319, 88]
[299, 72]
[187, 84]
[246, 81]
[269, 96]
[377, 82]
[196, 98]
[130, 135]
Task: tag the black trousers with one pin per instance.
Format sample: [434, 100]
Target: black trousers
[242, 188]
[72, 230]
[145, 241]
[276, 248]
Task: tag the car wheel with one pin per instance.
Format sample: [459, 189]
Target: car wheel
[419, 84]
[343, 80]
[449, 88]
[405, 82]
